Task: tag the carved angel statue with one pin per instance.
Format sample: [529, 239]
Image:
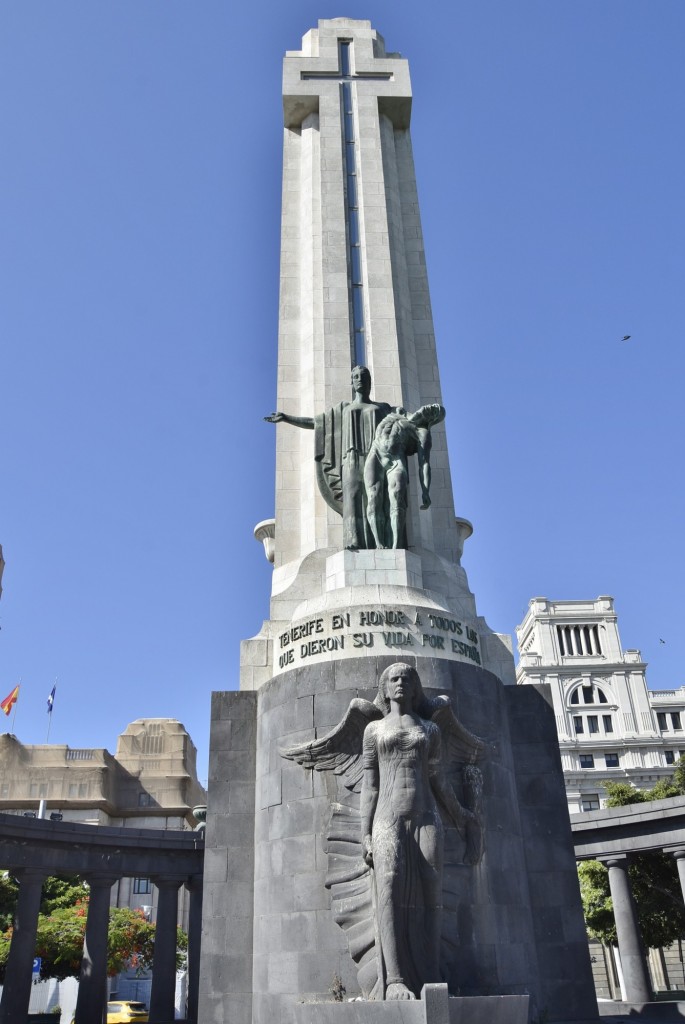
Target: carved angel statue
[385, 859]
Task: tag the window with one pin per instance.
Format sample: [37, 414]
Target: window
[661, 719]
[593, 723]
[142, 886]
[587, 760]
[670, 756]
[611, 760]
[589, 802]
[153, 744]
[578, 723]
[146, 799]
[588, 694]
[607, 723]
[83, 788]
[675, 719]
[4, 790]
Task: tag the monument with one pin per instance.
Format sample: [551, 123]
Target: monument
[386, 814]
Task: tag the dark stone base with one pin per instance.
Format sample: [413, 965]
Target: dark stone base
[664, 1011]
[435, 1007]
[270, 945]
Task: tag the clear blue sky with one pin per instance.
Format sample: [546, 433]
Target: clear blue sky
[139, 203]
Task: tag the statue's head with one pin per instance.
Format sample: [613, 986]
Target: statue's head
[428, 415]
[396, 678]
[361, 380]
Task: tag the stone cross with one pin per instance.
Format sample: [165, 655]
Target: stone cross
[353, 279]
[347, 54]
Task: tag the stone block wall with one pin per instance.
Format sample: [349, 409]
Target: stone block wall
[513, 923]
[560, 935]
[228, 900]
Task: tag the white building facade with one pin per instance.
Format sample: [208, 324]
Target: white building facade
[611, 727]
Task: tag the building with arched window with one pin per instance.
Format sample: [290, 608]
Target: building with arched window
[611, 727]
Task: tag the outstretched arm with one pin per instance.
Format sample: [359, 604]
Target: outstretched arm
[296, 421]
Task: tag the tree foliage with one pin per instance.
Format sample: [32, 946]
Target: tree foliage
[656, 890]
[62, 925]
[597, 906]
[663, 789]
[66, 891]
[653, 876]
[59, 941]
[620, 794]
[678, 777]
[9, 890]
[57, 892]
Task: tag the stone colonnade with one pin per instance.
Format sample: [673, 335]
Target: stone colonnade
[32, 849]
[92, 992]
[638, 988]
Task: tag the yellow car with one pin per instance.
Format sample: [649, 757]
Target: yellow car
[125, 1012]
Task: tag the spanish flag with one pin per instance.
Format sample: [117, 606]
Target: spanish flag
[8, 703]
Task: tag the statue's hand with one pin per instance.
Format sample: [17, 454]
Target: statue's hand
[274, 417]
[367, 852]
[426, 500]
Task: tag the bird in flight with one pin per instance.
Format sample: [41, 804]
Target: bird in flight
[626, 337]
[661, 641]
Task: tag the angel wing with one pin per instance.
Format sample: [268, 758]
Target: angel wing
[461, 750]
[340, 750]
[460, 747]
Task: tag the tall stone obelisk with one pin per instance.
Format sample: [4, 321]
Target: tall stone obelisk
[354, 290]
[311, 889]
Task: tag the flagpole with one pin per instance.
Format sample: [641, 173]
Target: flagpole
[47, 738]
[14, 713]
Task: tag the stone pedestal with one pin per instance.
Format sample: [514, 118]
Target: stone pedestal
[271, 946]
[372, 568]
[436, 1006]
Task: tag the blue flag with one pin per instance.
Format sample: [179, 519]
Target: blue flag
[51, 699]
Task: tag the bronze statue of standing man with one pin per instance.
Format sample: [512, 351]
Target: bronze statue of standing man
[342, 440]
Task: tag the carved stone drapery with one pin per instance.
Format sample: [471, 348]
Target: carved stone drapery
[401, 753]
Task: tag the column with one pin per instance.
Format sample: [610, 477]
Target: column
[16, 992]
[194, 887]
[164, 964]
[635, 973]
[91, 1002]
[680, 861]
